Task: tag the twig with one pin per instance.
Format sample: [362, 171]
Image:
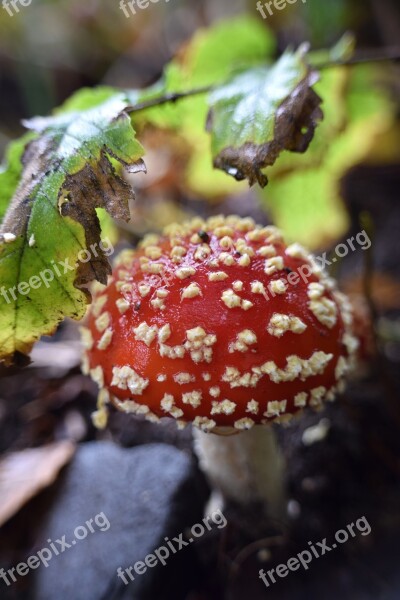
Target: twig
[388, 54]
[173, 97]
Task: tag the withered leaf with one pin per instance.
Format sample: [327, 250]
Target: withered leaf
[26, 473]
[50, 238]
[262, 112]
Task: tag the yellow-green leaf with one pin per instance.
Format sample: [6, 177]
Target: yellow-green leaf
[50, 239]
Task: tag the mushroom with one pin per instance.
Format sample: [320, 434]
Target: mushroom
[220, 324]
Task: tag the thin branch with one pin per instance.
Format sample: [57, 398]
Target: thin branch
[168, 98]
[388, 54]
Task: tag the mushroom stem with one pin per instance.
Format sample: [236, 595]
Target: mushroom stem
[246, 467]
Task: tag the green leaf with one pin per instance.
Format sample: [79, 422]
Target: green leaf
[57, 248]
[262, 112]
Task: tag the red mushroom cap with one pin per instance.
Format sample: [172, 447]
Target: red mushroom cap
[218, 323]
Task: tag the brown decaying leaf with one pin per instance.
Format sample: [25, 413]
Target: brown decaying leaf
[89, 189]
[24, 474]
[295, 124]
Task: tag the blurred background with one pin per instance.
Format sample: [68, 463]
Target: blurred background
[348, 181]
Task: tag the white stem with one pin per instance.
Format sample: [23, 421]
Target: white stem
[246, 467]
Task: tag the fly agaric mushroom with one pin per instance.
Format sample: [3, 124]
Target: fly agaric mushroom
[220, 324]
